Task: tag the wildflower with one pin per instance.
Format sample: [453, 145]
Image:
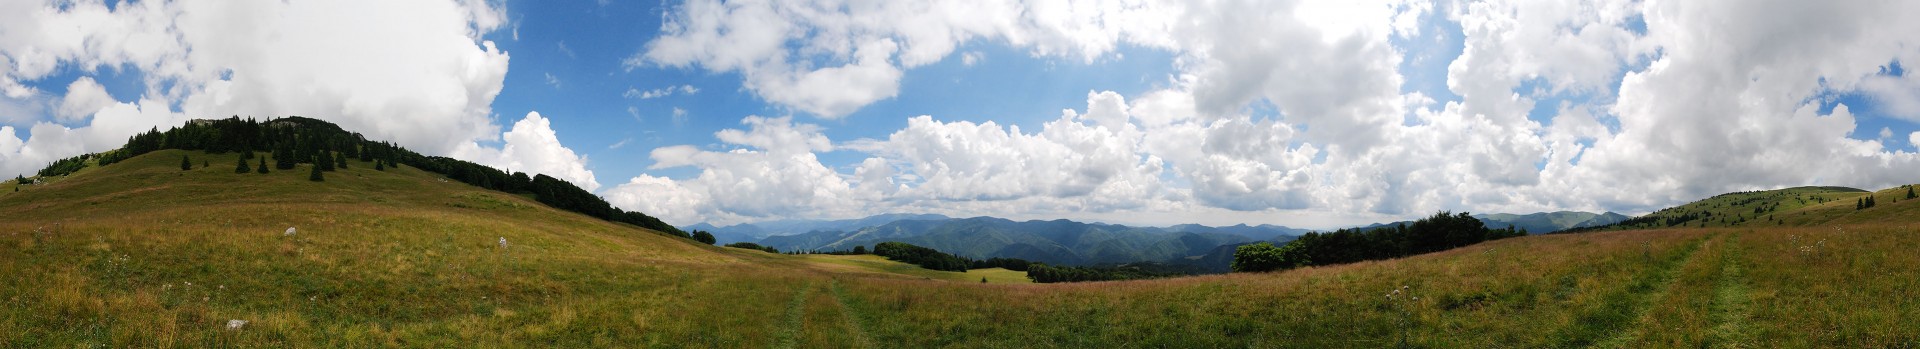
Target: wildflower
[503, 242]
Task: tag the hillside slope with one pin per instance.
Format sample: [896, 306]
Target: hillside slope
[142, 254]
[1799, 206]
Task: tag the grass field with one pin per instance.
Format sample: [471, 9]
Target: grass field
[881, 266]
[142, 254]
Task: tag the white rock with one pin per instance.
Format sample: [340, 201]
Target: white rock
[236, 324]
[289, 231]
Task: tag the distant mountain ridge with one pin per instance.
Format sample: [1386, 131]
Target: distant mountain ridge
[1061, 242]
[754, 232]
[1547, 222]
[1066, 242]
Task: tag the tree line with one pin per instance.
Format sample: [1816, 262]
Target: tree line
[298, 140]
[1442, 231]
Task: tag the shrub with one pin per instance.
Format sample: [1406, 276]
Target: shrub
[1257, 257]
[753, 246]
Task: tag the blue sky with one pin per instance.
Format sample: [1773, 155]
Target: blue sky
[1301, 113]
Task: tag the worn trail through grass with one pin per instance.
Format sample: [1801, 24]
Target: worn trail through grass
[1607, 324]
[1731, 302]
[796, 317]
[859, 332]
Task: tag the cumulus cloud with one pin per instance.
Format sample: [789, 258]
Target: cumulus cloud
[1655, 103]
[829, 59]
[415, 72]
[771, 171]
[532, 147]
[84, 96]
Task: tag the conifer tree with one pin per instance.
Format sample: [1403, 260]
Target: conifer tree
[263, 165]
[1910, 193]
[340, 160]
[323, 161]
[242, 166]
[185, 163]
[379, 166]
[283, 156]
[315, 176]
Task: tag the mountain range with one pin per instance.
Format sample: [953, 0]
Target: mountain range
[1063, 242]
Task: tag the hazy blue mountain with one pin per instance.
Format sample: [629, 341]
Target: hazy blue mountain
[1547, 222]
[752, 232]
[1055, 242]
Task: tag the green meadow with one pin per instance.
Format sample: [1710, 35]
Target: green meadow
[144, 254]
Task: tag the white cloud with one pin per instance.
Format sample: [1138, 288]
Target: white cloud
[553, 81]
[660, 92]
[1710, 97]
[1898, 96]
[771, 172]
[679, 116]
[109, 129]
[844, 57]
[532, 147]
[84, 97]
[415, 72]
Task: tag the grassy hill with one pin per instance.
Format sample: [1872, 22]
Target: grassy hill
[1800, 206]
[142, 254]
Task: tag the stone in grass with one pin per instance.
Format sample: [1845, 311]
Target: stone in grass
[235, 325]
[289, 232]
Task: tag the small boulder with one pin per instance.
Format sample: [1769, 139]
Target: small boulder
[236, 324]
[290, 232]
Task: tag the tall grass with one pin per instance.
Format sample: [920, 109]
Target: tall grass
[141, 254]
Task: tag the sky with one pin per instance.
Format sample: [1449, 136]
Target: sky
[1312, 114]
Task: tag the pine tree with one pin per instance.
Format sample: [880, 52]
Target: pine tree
[1910, 195]
[283, 156]
[340, 160]
[379, 166]
[263, 165]
[315, 176]
[242, 166]
[323, 160]
[185, 163]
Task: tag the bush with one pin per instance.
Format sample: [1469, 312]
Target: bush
[753, 246]
[1257, 257]
[921, 256]
[703, 237]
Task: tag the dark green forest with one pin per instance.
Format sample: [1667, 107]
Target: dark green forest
[1440, 232]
